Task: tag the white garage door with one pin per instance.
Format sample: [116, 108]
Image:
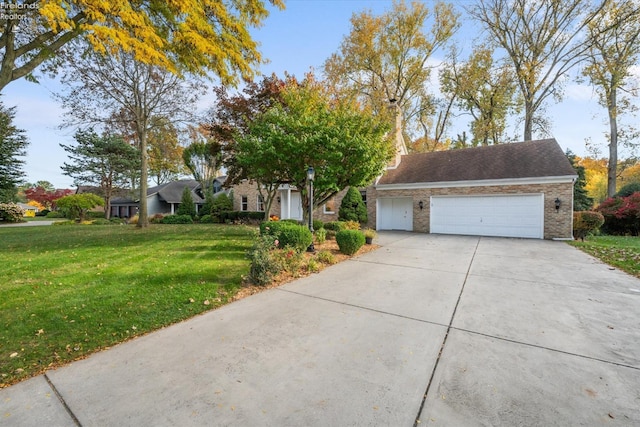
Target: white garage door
[505, 216]
[395, 214]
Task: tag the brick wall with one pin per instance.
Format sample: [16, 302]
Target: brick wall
[557, 224]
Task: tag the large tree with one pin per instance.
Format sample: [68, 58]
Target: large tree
[483, 88]
[104, 161]
[203, 158]
[13, 146]
[103, 89]
[387, 57]
[165, 151]
[196, 36]
[344, 144]
[543, 40]
[614, 50]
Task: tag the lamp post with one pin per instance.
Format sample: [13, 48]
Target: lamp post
[311, 174]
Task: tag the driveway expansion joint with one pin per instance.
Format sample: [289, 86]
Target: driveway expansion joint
[446, 335]
[62, 401]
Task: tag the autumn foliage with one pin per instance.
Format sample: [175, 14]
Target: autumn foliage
[621, 215]
[46, 198]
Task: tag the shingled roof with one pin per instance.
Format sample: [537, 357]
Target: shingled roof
[530, 159]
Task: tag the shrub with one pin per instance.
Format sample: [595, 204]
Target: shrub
[585, 222]
[186, 207]
[321, 235]
[77, 205]
[271, 227]
[54, 214]
[349, 241]
[206, 219]
[334, 225]
[352, 207]
[326, 257]
[317, 224]
[628, 189]
[351, 225]
[119, 221]
[10, 212]
[264, 265]
[221, 203]
[313, 266]
[289, 259]
[621, 215]
[297, 237]
[134, 219]
[177, 219]
[100, 221]
[156, 219]
[43, 212]
[291, 221]
[95, 214]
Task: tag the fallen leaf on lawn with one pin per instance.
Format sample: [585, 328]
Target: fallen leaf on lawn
[40, 332]
[206, 302]
[14, 354]
[191, 300]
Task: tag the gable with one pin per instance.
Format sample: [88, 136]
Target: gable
[514, 161]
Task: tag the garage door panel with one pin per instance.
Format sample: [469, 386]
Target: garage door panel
[505, 216]
[395, 213]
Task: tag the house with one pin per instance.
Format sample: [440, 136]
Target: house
[520, 189]
[161, 199]
[29, 211]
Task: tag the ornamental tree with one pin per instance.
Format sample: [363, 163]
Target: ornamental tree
[347, 146]
[77, 205]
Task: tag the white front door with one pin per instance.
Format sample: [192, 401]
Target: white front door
[290, 205]
[520, 215]
[395, 213]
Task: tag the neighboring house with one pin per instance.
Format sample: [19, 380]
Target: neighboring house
[520, 189]
[162, 199]
[29, 211]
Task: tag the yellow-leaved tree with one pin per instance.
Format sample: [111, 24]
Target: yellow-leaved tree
[192, 36]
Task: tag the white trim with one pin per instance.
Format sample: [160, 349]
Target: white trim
[479, 183]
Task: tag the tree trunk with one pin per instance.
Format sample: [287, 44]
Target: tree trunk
[612, 168]
[528, 120]
[143, 216]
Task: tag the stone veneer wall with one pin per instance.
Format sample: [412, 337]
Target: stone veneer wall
[557, 224]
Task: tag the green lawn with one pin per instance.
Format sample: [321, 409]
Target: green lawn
[67, 291]
[619, 251]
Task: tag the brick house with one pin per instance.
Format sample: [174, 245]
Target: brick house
[512, 190]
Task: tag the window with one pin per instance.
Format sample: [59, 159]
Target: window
[260, 203]
[330, 206]
[244, 203]
[363, 193]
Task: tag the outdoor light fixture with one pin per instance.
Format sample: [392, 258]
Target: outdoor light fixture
[279, 199]
[557, 202]
[421, 205]
[311, 174]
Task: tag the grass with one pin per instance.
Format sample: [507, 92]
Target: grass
[68, 291]
[622, 252]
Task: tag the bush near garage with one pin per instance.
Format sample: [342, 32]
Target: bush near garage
[586, 222]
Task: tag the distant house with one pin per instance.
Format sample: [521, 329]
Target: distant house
[29, 211]
[161, 199]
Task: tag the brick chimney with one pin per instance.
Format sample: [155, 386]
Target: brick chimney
[401, 147]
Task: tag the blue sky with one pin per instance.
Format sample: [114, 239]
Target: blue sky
[295, 40]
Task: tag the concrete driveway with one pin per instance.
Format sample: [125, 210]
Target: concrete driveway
[427, 330]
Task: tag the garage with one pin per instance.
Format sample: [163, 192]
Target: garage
[520, 215]
[395, 213]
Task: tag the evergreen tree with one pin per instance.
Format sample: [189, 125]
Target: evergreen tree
[187, 206]
[13, 144]
[352, 207]
[581, 200]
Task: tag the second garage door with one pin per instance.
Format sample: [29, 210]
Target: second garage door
[504, 216]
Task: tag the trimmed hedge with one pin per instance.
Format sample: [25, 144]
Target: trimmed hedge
[177, 219]
[334, 226]
[240, 216]
[349, 241]
[289, 234]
